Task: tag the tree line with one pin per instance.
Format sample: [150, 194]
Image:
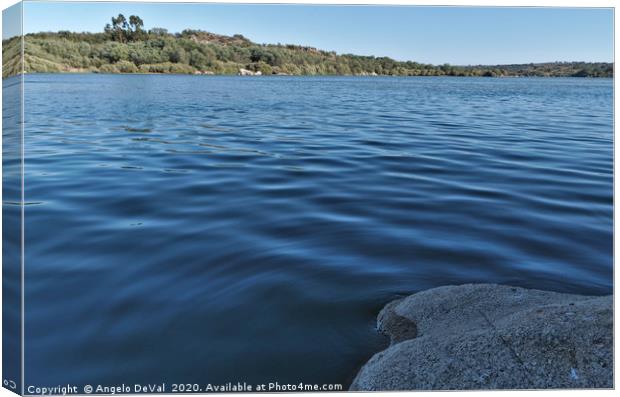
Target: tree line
[125, 46]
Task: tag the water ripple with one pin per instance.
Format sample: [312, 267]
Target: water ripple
[251, 228]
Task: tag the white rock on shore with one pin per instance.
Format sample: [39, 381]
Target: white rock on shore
[245, 72]
[486, 336]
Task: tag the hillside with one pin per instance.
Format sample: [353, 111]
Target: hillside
[124, 47]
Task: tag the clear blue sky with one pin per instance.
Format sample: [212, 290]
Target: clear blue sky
[456, 35]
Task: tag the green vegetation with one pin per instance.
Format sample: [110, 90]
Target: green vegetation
[125, 47]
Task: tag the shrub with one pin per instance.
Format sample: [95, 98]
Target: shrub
[107, 68]
[126, 67]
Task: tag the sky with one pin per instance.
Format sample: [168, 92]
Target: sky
[11, 21]
[437, 35]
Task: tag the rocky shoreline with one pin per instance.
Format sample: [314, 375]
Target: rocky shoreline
[487, 336]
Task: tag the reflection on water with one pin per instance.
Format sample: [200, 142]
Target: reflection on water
[216, 229]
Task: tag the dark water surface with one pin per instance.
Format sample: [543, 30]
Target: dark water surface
[216, 229]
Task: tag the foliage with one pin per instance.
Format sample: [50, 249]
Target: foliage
[125, 47]
[123, 30]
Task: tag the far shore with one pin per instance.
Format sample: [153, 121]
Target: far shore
[130, 49]
[78, 72]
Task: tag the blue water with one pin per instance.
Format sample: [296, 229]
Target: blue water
[216, 229]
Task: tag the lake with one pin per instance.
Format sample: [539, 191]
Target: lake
[229, 229]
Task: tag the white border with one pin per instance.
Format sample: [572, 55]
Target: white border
[482, 3]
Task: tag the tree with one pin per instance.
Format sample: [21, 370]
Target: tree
[136, 23]
[198, 60]
[175, 53]
[135, 27]
[159, 32]
[119, 27]
[109, 31]
[114, 52]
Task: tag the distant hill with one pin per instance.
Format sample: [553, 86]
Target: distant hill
[124, 47]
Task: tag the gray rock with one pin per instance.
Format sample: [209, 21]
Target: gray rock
[485, 336]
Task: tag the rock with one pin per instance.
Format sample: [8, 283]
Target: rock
[245, 72]
[485, 336]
